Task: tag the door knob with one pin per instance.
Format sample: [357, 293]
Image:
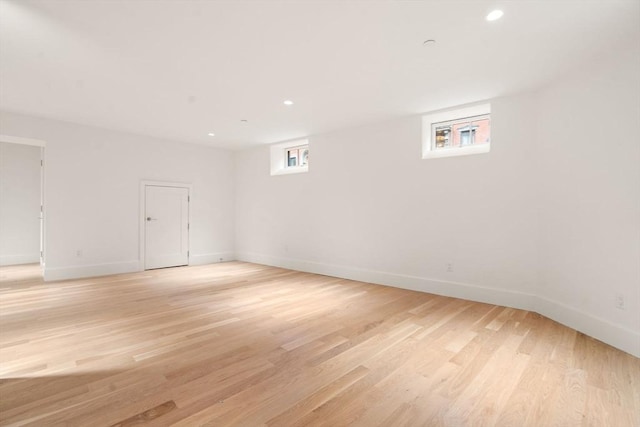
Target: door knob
[151, 219]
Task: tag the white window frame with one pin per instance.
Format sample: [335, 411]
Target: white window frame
[453, 115]
[299, 148]
[279, 164]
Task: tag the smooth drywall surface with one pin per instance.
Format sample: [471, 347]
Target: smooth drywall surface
[589, 175]
[19, 204]
[549, 220]
[92, 190]
[371, 208]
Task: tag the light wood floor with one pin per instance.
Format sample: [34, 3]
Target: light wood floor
[247, 345]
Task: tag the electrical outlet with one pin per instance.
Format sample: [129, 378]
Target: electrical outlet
[450, 267]
[79, 253]
[619, 302]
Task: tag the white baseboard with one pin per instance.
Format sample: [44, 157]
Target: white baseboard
[75, 272]
[201, 259]
[19, 259]
[601, 329]
[414, 283]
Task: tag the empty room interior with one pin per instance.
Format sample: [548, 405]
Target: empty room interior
[319, 213]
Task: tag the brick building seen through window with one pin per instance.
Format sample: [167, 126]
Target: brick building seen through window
[462, 132]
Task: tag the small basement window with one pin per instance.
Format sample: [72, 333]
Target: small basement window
[297, 156]
[457, 132]
[290, 157]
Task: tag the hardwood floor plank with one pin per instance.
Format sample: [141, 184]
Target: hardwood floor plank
[148, 415]
[239, 344]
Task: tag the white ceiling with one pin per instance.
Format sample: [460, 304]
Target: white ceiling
[180, 69]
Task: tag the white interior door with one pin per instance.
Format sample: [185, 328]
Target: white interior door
[166, 226]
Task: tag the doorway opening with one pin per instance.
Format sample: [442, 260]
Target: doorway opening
[22, 205]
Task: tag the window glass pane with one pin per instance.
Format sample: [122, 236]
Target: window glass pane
[482, 131]
[297, 156]
[462, 133]
[292, 157]
[443, 137]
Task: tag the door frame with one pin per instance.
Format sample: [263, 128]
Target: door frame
[43, 217]
[142, 217]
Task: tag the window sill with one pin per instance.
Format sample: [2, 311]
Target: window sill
[290, 171]
[453, 152]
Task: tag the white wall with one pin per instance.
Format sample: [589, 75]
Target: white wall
[19, 204]
[549, 220]
[92, 186]
[371, 208]
[589, 175]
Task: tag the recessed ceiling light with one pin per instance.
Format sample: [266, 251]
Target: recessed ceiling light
[288, 102]
[429, 42]
[244, 121]
[494, 15]
[211, 134]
